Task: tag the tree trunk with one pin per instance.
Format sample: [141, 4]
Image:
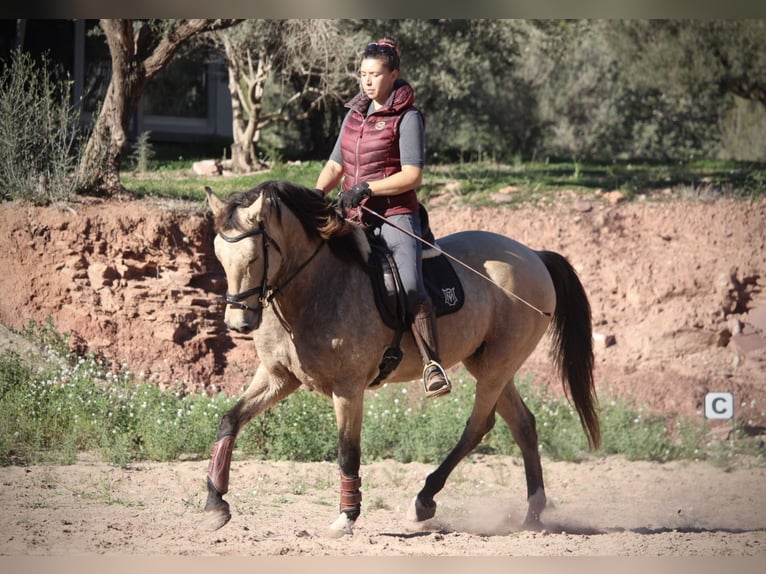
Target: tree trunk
[102, 157]
[136, 59]
[241, 152]
[245, 107]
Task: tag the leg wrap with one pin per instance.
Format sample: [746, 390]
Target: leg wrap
[350, 495]
[220, 463]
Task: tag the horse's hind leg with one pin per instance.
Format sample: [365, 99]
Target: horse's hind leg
[521, 421]
[481, 421]
[261, 394]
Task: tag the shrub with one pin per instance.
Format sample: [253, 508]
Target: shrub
[40, 144]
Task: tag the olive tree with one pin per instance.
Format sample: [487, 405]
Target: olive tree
[139, 50]
[281, 72]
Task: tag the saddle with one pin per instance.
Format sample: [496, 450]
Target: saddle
[442, 285]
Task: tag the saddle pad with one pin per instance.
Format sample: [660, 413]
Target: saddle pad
[443, 285]
[441, 281]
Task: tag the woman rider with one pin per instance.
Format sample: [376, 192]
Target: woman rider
[379, 157]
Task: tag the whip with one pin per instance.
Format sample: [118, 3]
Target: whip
[456, 260]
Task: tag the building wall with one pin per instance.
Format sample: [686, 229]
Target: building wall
[67, 45]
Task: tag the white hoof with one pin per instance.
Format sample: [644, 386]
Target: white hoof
[343, 526]
[418, 512]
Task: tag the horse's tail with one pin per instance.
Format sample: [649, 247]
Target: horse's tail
[573, 341]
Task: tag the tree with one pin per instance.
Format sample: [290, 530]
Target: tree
[139, 50]
[685, 77]
[465, 75]
[280, 72]
[688, 56]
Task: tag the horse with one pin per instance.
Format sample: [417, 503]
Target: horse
[298, 277]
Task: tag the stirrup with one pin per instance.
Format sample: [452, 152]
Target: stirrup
[443, 390]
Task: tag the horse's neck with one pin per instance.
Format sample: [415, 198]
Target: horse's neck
[314, 291]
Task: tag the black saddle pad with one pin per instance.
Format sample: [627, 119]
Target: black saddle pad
[441, 282]
[443, 285]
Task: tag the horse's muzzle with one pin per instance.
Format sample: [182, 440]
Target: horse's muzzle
[243, 320]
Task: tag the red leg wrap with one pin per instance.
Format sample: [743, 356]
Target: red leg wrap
[220, 463]
[350, 495]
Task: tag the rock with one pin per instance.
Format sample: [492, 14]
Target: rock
[100, 274]
[582, 206]
[614, 197]
[603, 341]
[500, 197]
[207, 167]
[688, 341]
[748, 342]
[757, 317]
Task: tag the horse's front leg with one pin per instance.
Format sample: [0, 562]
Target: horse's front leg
[260, 395]
[348, 414]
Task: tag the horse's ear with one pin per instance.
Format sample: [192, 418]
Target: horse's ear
[213, 201]
[259, 209]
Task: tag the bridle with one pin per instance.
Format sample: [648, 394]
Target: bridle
[235, 300]
[265, 293]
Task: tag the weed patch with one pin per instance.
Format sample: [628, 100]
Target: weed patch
[64, 405]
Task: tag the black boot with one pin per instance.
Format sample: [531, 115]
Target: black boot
[424, 331]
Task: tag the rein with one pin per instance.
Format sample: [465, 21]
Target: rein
[265, 293]
[456, 260]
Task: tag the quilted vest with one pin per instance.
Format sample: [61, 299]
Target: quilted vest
[370, 147]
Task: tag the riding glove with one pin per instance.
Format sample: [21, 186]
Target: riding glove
[354, 196]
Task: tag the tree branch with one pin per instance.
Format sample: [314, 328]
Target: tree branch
[179, 33]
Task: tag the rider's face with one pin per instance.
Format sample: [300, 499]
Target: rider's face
[377, 80]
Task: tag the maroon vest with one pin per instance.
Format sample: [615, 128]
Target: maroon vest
[370, 148]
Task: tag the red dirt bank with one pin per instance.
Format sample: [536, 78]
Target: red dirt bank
[676, 288]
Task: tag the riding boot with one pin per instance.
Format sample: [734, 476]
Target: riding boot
[424, 332]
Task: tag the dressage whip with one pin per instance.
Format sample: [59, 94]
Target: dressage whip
[455, 259]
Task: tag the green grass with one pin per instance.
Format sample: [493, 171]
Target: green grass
[53, 408]
[181, 183]
[477, 183]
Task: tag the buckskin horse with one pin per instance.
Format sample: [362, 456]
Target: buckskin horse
[298, 277]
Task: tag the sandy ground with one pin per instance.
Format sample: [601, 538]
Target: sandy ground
[602, 507]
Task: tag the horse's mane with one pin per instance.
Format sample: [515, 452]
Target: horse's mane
[318, 217]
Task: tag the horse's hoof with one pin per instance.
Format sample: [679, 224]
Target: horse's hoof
[418, 512]
[215, 519]
[537, 503]
[343, 526]
[533, 524]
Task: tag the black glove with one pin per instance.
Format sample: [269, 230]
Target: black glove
[354, 196]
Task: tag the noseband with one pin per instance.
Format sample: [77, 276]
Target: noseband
[265, 293]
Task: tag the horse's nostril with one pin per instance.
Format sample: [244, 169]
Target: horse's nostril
[241, 327]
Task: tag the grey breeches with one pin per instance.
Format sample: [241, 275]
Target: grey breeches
[407, 254]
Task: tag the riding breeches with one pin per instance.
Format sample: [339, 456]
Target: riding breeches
[406, 252]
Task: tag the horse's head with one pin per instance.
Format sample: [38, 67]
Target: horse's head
[243, 246]
[267, 235]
